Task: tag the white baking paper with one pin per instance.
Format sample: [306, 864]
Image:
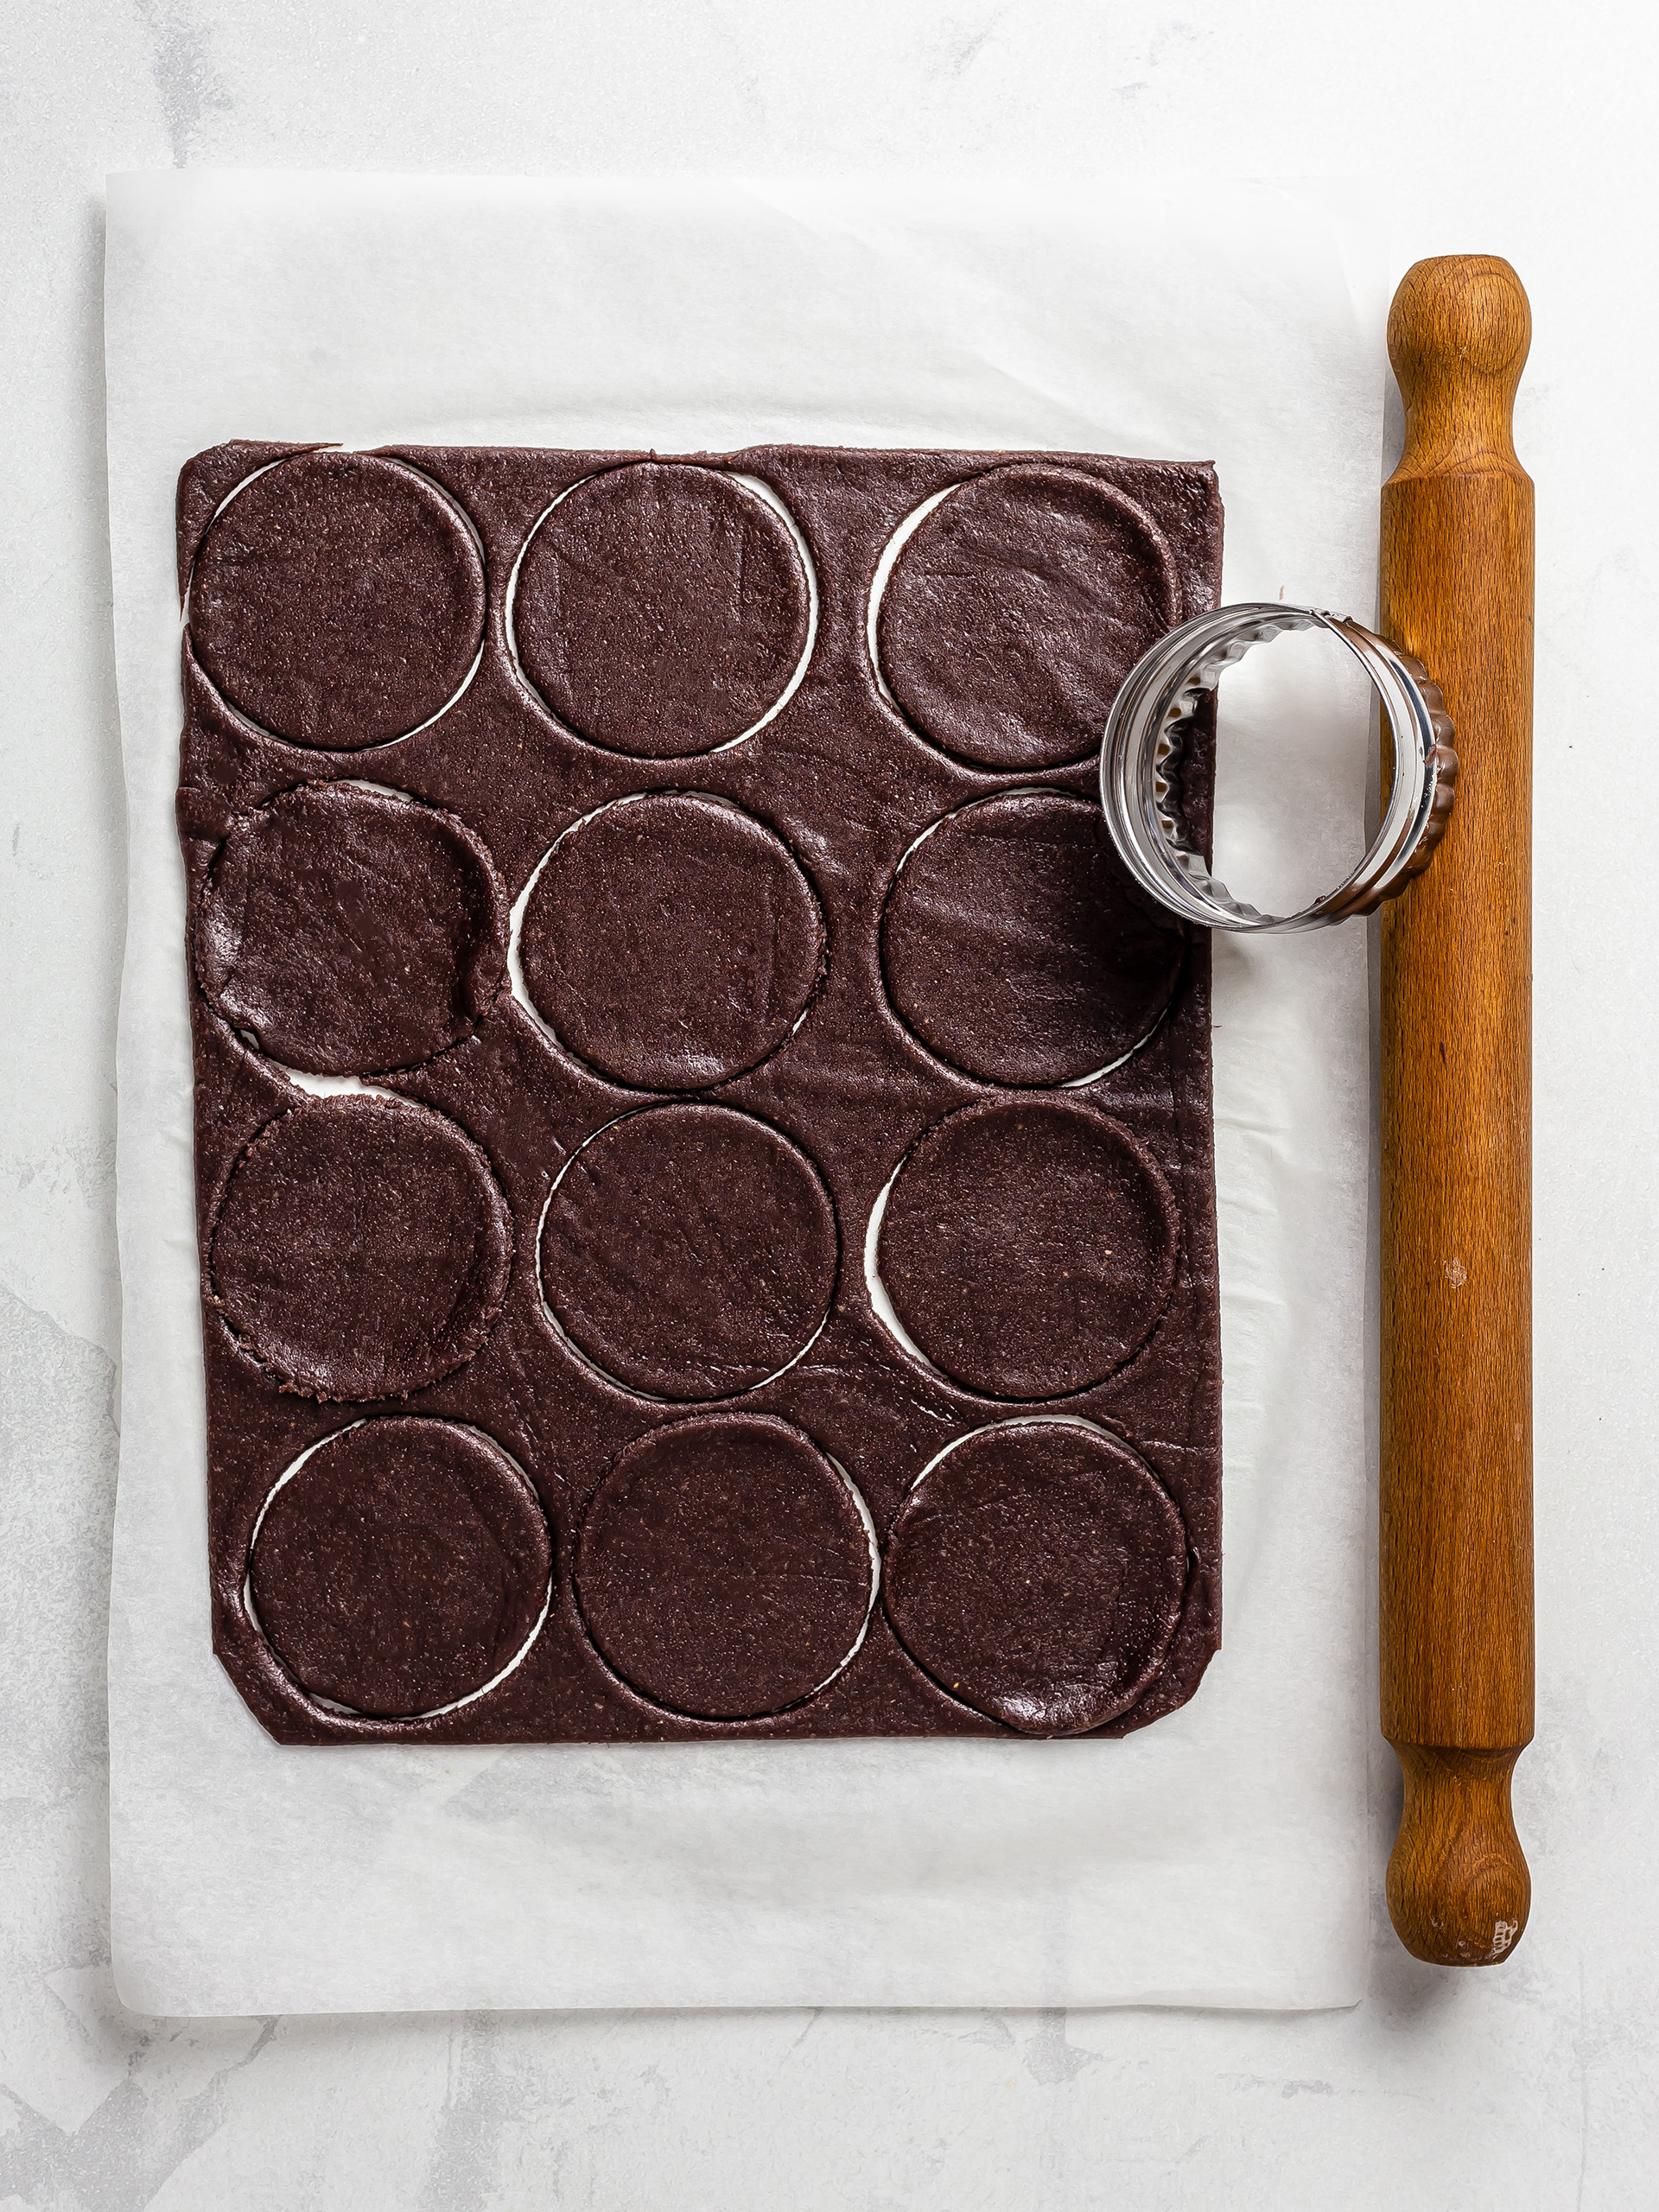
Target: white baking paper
[1215, 1859]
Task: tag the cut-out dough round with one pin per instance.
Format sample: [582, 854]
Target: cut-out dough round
[690, 1251]
[724, 1567]
[671, 942]
[401, 1566]
[352, 931]
[361, 1249]
[338, 600]
[1013, 947]
[1037, 1572]
[661, 609]
[1017, 607]
[1028, 1247]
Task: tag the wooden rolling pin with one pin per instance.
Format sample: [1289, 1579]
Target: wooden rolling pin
[1456, 1621]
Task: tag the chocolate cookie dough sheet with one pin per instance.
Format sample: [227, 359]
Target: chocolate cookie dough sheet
[855, 1369]
[705, 1176]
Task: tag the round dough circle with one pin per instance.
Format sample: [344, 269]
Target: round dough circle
[1037, 1572]
[338, 600]
[1016, 608]
[671, 942]
[401, 1566]
[1028, 1247]
[724, 1568]
[661, 609]
[1013, 947]
[361, 1248]
[350, 931]
[690, 1251]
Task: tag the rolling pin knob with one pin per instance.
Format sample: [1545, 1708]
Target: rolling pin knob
[1456, 1620]
[1458, 1889]
[1458, 334]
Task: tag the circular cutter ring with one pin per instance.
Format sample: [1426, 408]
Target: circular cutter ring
[1146, 733]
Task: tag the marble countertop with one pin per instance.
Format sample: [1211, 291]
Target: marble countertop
[1534, 2085]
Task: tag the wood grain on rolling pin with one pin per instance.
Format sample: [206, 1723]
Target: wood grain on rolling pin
[1457, 1598]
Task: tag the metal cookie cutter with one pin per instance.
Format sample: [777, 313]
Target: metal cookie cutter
[1146, 734]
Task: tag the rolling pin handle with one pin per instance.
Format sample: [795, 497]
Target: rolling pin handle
[1458, 1889]
[1459, 332]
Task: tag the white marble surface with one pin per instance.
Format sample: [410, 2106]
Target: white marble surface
[1520, 130]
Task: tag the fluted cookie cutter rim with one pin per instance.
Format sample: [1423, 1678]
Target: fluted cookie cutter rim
[1145, 736]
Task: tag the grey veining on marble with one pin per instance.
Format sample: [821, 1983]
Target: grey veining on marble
[1534, 2085]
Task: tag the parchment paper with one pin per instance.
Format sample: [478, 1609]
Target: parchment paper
[1215, 1859]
